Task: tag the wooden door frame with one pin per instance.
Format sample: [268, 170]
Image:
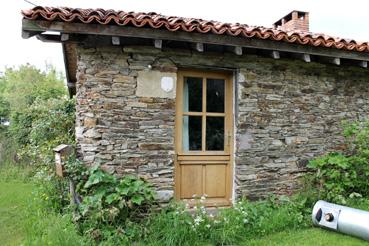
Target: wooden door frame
[229, 112]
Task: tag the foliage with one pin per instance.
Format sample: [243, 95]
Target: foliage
[43, 126]
[51, 191]
[175, 225]
[306, 237]
[21, 86]
[4, 110]
[109, 203]
[342, 175]
[25, 221]
[40, 115]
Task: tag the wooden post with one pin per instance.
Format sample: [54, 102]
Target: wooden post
[62, 153]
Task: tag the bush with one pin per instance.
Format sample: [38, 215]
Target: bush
[175, 225]
[43, 126]
[109, 203]
[339, 176]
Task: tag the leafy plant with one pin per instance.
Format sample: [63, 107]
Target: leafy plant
[339, 176]
[110, 202]
[176, 225]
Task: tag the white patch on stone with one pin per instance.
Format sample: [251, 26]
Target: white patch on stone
[152, 83]
[245, 141]
[167, 84]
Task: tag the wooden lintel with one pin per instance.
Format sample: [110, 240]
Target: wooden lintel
[363, 64]
[237, 50]
[199, 47]
[158, 43]
[275, 54]
[255, 43]
[64, 37]
[115, 40]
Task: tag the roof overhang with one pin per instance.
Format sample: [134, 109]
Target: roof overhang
[71, 33]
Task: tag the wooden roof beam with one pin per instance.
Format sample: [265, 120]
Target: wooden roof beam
[64, 37]
[115, 40]
[335, 60]
[29, 34]
[237, 50]
[275, 54]
[363, 64]
[199, 47]
[158, 43]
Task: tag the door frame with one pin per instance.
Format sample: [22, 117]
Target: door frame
[208, 156]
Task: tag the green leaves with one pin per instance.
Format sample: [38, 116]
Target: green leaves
[97, 176]
[111, 201]
[339, 175]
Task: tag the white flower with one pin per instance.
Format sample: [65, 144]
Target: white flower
[207, 226]
[245, 221]
[198, 219]
[211, 215]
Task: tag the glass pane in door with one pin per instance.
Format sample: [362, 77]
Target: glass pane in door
[215, 133]
[215, 95]
[192, 94]
[192, 133]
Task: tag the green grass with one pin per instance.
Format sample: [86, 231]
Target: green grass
[307, 237]
[23, 218]
[24, 221]
[14, 198]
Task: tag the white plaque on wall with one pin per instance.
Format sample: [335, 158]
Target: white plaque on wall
[167, 84]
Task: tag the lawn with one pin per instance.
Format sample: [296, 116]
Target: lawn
[18, 224]
[307, 237]
[14, 197]
[23, 223]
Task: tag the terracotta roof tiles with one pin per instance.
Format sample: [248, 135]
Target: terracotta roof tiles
[174, 23]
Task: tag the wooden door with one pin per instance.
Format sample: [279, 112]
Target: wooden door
[204, 137]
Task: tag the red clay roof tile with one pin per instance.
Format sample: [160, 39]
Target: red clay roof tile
[174, 23]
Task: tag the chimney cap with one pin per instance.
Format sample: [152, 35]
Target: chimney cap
[289, 17]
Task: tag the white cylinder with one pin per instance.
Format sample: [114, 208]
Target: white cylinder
[347, 220]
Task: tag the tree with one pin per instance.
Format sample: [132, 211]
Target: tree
[22, 86]
[4, 110]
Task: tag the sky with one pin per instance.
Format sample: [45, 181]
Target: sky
[346, 19]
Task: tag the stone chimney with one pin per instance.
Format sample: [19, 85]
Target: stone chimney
[294, 21]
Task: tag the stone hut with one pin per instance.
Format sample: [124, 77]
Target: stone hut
[202, 107]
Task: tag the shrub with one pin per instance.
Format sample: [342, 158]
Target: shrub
[339, 176]
[175, 225]
[109, 202]
[43, 126]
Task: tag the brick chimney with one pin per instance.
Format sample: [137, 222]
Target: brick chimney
[294, 21]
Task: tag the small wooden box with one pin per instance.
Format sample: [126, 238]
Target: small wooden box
[62, 152]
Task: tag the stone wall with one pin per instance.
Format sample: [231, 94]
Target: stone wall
[286, 113]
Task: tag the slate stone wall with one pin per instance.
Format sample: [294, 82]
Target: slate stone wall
[286, 112]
